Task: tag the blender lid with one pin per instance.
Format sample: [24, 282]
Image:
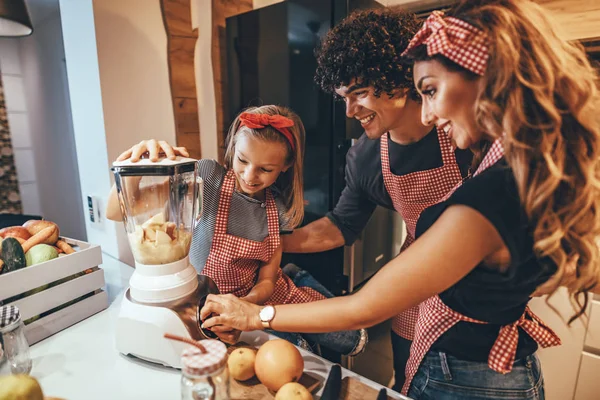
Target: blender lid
[164, 166]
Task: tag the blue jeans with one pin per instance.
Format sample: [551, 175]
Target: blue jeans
[344, 342]
[444, 377]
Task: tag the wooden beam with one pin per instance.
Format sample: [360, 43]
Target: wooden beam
[181, 44]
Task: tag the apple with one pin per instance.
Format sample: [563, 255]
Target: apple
[34, 226]
[16, 232]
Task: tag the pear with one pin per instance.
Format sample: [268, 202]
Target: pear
[20, 387]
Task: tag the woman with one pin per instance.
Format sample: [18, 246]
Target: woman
[497, 79]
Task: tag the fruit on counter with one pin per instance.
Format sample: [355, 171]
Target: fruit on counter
[12, 255]
[40, 253]
[278, 362]
[16, 232]
[35, 226]
[241, 363]
[32, 233]
[293, 391]
[20, 387]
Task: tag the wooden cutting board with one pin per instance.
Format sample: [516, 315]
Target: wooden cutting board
[254, 390]
[353, 389]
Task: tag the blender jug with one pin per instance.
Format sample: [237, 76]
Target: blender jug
[160, 203]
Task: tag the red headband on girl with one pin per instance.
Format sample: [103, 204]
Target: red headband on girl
[455, 39]
[279, 122]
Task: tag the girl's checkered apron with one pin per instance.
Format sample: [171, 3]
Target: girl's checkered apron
[233, 262]
[435, 318]
[411, 194]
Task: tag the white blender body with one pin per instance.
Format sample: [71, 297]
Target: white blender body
[161, 203]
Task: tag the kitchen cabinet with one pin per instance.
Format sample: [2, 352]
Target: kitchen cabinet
[588, 385]
[592, 337]
[560, 364]
[577, 19]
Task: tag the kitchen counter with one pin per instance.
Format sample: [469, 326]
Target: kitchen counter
[82, 363]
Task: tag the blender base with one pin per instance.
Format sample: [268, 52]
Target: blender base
[140, 330]
[140, 327]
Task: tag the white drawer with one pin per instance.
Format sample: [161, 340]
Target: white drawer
[592, 338]
[588, 384]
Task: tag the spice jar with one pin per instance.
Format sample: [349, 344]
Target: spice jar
[204, 373]
[13, 341]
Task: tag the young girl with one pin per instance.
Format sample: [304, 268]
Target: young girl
[247, 203]
[497, 79]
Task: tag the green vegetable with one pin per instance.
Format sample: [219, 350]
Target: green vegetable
[12, 254]
[40, 253]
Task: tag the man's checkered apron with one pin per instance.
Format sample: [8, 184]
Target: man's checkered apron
[233, 261]
[411, 194]
[435, 318]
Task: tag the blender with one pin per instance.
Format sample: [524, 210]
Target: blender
[161, 203]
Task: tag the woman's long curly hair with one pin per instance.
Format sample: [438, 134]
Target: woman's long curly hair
[366, 46]
[541, 92]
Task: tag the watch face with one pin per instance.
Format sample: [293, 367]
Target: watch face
[267, 313]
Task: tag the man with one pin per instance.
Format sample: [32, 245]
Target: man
[398, 163]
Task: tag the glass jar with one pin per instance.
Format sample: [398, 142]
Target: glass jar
[13, 341]
[204, 372]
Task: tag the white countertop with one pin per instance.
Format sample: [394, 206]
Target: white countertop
[81, 362]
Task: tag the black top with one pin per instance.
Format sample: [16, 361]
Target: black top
[487, 294]
[364, 180]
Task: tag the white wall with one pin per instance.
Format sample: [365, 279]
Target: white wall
[40, 125]
[77, 19]
[18, 124]
[49, 110]
[134, 74]
[205, 86]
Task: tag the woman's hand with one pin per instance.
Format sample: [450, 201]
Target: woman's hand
[227, 311]
[153, 148]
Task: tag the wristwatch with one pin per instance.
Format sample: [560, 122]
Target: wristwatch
[266, 315]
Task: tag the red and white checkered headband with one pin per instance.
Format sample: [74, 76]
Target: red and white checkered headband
[454, 39]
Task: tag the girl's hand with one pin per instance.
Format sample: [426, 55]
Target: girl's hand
[153, 148]
[230, 312]
[230, 337]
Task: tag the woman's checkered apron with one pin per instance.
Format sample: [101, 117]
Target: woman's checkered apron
[435, 318]
[411, 194]
[233, 261]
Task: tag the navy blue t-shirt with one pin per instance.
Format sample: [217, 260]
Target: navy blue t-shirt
[364, 179]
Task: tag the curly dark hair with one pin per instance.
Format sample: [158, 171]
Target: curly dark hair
[366, 46]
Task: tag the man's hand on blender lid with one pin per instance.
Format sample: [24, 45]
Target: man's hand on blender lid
[231, 312]
[153, 148]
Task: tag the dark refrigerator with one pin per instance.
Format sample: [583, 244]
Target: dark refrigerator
[270, 60]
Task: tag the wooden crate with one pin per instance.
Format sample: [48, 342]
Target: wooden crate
[56, 294]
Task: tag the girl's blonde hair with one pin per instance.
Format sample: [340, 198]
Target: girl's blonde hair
[290, 183]
[542, 93]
